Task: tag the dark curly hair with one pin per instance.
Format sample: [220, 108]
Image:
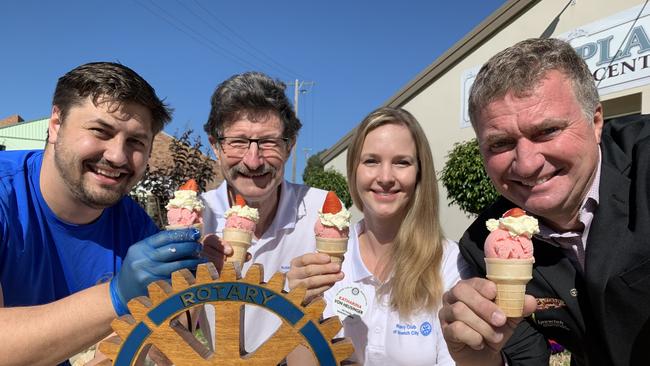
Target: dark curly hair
[251, 94]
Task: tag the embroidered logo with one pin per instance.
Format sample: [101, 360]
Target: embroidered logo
[548, 303]
[425, 328]
[549, 323]
[553, 323]
[406, 330]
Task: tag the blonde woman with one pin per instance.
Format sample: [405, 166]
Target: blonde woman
[398, 263]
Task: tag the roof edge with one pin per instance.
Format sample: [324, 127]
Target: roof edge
[25, 122]
[496, 21]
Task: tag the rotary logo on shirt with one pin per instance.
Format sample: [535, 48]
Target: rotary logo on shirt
[425, 328]
[407, 329]
[350, 302]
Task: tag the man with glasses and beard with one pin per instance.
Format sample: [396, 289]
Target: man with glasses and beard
[252, 129]
[73, 248]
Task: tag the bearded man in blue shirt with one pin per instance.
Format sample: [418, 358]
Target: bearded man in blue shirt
[74, 249]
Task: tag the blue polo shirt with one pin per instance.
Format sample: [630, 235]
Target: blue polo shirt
[42, 258]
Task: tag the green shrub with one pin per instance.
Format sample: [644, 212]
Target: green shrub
[314, 165]
[464, 177]
[330, 180]
[316, 176]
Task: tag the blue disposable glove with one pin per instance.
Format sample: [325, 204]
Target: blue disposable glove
[151, 259]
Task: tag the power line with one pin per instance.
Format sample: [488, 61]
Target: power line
[223, 50]
[624, 39]
[246, 42]
[209, 24]
[209, 44]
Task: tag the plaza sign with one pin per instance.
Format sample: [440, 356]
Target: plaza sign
[616, 49]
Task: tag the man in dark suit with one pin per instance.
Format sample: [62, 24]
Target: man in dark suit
[536, 113]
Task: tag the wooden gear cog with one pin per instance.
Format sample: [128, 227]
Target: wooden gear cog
[153, 321]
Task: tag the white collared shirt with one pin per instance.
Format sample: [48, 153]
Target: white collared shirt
[290, 235]
[379, 335]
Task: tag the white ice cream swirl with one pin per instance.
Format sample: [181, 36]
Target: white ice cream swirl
[185, 199]
[523, 225]
[244, 211]
[340, 220]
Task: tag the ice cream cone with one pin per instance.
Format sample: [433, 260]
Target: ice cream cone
[511, 277]
[334, 247]
[240, 241]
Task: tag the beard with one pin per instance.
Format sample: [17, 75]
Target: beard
[71, 169]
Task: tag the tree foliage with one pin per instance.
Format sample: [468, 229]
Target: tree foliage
[464, 177]
[314, 165]
[187, 161]
[315, 175]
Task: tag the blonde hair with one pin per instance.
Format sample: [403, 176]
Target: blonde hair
[415, 258]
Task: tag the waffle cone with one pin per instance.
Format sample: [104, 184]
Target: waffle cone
[511, 277]
[240, 241]
[334, 247]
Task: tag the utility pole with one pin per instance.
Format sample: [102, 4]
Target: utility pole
[306, 150]
[297, 89]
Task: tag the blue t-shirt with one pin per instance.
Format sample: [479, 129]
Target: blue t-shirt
[43, 259]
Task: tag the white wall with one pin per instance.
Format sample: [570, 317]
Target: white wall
[25, 135]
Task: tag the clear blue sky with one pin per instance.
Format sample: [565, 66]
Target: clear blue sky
[358, 53]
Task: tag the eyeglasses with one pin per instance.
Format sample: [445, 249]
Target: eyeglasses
[236, 147]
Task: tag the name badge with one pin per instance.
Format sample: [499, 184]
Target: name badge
[350, 302]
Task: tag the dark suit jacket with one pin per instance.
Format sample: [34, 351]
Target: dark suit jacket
[603, 316]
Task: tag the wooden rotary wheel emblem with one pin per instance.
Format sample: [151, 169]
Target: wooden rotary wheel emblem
[153, 321]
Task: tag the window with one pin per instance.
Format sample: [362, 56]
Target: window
[622, 106]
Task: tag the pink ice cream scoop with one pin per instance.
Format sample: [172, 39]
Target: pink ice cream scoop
[241, 217]
[239, 222]
[510, 236]
[500, 244]
[183, 216]
[509, 258]
[330, 231]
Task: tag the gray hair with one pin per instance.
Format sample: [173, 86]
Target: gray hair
[520, 68]
[253, 95]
